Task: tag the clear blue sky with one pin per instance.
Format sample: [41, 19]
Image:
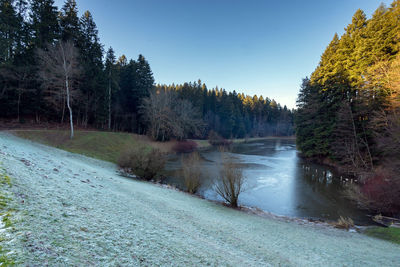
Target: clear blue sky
[259, 47]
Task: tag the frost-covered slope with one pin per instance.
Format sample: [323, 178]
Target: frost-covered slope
[78, 211]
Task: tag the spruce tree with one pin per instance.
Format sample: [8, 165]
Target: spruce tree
[91, 58]
[44, 23]
[69, 21]
[10, 25]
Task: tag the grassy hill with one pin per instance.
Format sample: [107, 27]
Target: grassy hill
[101, 145]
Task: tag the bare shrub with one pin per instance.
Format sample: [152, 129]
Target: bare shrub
[191, 172]
[344, 223]
[216, 140]
[230, 183]
[186, 146]
[143, 162]
[380, 192]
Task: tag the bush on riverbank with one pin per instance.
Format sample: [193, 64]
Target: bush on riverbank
[230, 184]
[379, 192]
[191, 172]
[216, 140]
[142, 162]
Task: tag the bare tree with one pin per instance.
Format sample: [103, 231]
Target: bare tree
[59, 70]
[386, 123]
[231, 180]
[351, 146]
[157, 111]
[188, 119]
[168, 116]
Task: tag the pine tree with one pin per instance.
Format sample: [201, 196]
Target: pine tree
[69, 21]
[44, 23]
[347, 88]
[144, 83]
[92, 87]
[10, 25]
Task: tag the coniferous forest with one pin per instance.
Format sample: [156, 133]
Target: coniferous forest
[42, 46]
[348, 110]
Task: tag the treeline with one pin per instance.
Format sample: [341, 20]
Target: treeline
[232, 114]
[348, 110]
[53, 66]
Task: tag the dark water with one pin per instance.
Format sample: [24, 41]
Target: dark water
[278, 181]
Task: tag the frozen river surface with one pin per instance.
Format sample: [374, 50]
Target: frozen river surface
[279, 181]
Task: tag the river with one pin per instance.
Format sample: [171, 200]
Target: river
[277, 181]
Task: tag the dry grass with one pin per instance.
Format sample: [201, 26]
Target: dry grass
[344, 223]
[102, 145]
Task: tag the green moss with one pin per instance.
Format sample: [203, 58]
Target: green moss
[387, 233]
[3, 201]
[4, 260]
[5, 179]
[7, 220]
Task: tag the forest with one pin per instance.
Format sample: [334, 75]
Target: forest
[349, 109]
[54, 69]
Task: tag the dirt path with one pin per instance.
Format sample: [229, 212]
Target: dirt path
[78, 211]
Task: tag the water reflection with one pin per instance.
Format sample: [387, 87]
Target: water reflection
[278, 181]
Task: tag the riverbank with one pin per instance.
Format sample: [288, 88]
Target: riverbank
[79, 211]
[108, 145]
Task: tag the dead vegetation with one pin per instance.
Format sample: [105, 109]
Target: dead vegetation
[191, 172]
[142, 162]
[229, 185]
[344, 223]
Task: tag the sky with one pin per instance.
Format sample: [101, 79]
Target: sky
[261, 47]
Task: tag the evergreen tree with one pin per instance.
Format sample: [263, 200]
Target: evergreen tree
[336, 105]
[144, 83]
[44, 23]
[10, 26]
[93, 82]
[69, 21]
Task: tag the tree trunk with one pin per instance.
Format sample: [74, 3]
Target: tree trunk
[355, 137]
[68, 95]
[63, 111]
[109, 100]
[86, 116]
[69, 107]
[18, 104]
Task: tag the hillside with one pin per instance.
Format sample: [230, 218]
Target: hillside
[101, 145]
[73, 210]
